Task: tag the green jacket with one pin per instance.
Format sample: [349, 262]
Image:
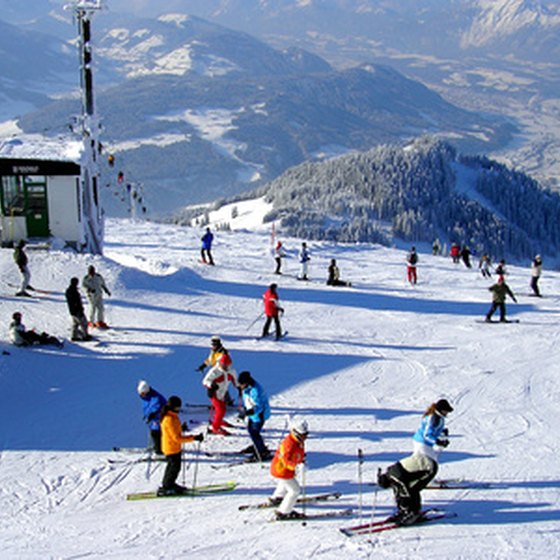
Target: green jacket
[499, 292]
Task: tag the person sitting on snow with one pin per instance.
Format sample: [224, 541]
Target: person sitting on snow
[19, 336]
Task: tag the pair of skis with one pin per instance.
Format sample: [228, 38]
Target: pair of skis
[204, 490]
[389, 523]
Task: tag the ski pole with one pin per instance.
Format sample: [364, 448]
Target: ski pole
[360, 480]
[195, 473]
[255, 321]
[303, 488]
[374, 504]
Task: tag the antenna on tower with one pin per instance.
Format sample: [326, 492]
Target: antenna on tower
[93, 215]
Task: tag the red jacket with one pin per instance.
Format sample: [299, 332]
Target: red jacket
[271, 306]
[287, 457]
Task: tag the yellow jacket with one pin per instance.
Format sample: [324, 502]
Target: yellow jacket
[172, 435]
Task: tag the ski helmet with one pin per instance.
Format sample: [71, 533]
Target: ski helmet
[216, 341]
[443, 406]
[143, 387]
[300, 427]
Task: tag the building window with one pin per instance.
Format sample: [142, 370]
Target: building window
[13, 196]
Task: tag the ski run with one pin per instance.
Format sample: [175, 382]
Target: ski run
[360, 364]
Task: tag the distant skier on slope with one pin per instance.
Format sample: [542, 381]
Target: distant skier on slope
[94, 285]
[455, 253]
[501, 269]
[409, 476]
[334, 276]
[499, 292]
[466, 256]
[412, 260]
[484, 264]
[256, 409]
[206, 249]
[152, 405]
[272, 310]
[536, 271]
[172, 440]
[279, 254]
[217, 382]
[21, 260]
[79, 329]
[288, 456]
[304, 259]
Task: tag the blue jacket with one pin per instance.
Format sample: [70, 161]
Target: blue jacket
[255, 398]
[207, 239]
[430, 429]
[152, 404]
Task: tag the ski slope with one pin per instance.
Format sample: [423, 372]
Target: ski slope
[361, 364]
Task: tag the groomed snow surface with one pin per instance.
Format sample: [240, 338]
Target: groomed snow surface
[361, 364]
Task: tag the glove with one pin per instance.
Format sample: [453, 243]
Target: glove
[201, 367]
[242, 414]
[151, 417]
[445, 432]
[442, 442]
[199, 437]
[281, 310]
[185, 427]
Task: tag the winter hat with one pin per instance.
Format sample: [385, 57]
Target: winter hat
[245, 378]
[300, 427]
[143, 387]
[174, 402]
[443, 406]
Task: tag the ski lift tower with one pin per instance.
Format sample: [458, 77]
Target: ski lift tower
[93, 216]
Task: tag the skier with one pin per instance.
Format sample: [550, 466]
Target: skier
[412, 259]
[412, 474]
[172, 439]
[279, 254]
[94, 284]
[466, 256]
[288, 456]
[501, 269]
[152, 405]
[21, 261]
[436, 248]
[499, 292]
[272, 311]
[455, 253]
[334, 276]
[536, 271]
[75, 307]
[304, 259]
[217, 350]
[484, 265]
[256, 410]
[206, 250]
[217, 382]
[19, 336]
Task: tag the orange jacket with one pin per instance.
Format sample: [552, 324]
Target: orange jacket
[171, 434]
[287, 457]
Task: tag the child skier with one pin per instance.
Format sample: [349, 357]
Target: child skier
[411, 260]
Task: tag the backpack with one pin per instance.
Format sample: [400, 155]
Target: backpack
[413, 258]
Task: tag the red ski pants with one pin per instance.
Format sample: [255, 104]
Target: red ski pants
[219, 413]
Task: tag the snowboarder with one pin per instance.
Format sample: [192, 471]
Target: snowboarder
[334, 276]
[75, 307]
[412, 474]
[304, 259]
[206, 250]
[412, 260]
[484, 265]
[499, 292]
[279, 254]
[536, 271]
[272, 311]
[217, 382]
[288, 456]
[256, 409]
[455, 253]
[172, 439]
[19, 336]
[466, 256]
[152, 405]
[94, 284]
[21, 261]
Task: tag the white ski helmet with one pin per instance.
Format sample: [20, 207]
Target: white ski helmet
[143, 387]
[300, 427]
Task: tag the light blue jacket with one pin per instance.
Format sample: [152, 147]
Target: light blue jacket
[255, 398]
[430, 429]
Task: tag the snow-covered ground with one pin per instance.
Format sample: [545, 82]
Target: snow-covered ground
[361, 364]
